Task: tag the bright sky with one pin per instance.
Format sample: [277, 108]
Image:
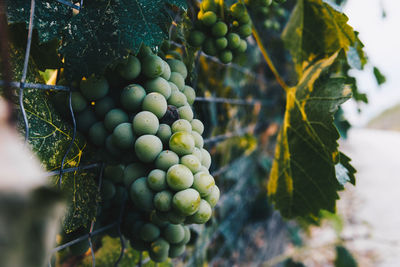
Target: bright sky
[381, 37]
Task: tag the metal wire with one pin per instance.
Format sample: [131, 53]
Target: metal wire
[222, 137]
[37, 86]
[251, 102]
[65, 2]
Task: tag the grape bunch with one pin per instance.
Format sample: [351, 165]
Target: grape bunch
[141, 120]
[268, 12]
[221, 35]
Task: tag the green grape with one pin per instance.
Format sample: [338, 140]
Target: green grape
[209, 5]
[219, 29]
[149, 232]
[186, 113]
[203, 183]
[276, 26]
[85, 120]
[205, 158]
[157, 180]
[196, 38]
[130, 69]
[197, 126]
[268, 23]
[178, 66]
[225, 56]
[209, 18]
[167, 72]
[78, 102]
[152, 66]
[242, 47]
[174, 88]
[238, 10]
[144, 51]
[177, 99]
[233, 40]
[179, 177]
[166, 159]
[111, 148]
[190, 94]
[176, 251]
[156, 104]
[203, 214]
[174, 55]
[175, 217]
[164, 133]
[174, 233]
[107, 190]
[123, 137]
[98, 134]
[147, 147]
[181, 125]
[133, 172]
[209, 47]
[182, 143]
[245, 20]
[159, 250]
[186, 238]
[178, 80]
[79, 248]
[155, 218]
[132, 97]
[114, 118]
[197, 153]
[280, 12]
[186, 201]
[159, 85]
[264, 11]
[204, 169]
[221, 43]
[198, 140]
[162, 200]
[94, 88]
[145, 122]
[213, 197]
[244, 30]
[141, 194]
[192, 162]
[103, 106]
[114, 173]
[165, 46]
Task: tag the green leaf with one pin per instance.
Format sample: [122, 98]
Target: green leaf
[344, 258]
[380, 78]
[104, 32]
[356, 56]
[303, 178]
[316, 30]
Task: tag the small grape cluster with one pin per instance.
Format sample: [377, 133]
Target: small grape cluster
[267, 11]
[221, 36]
[147, 133]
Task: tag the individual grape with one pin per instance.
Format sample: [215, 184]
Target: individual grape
[145, 122]
[155, 218]
[107, 190]
[205, 158]
[221, 43]
[98, 134]
[209, 47]
[174, 233]
[130, 69]
[208, 5]
[123, 137]
[159, 85]
[196, 38]
[186, 113]
[157, 180]
[78, 102]
[141, 194]
[198, 140]
[176, 251]
[173, 86]
[111, 148]
[186, 238]
[152, 66]
[114, 118]
[242, 47]
[186, 201]
[79, 248]
[175, 217]
[213, 197]
[233, 40]
[159, 250]
[219, 29]
[133, 172]
[132, 97]
[144, 51]
[156, 104]
[114, 173]
[225, 56]
[197, 126]
[172, 54]
[103, 106]
[244, 30]
[178, 80]
[167, 72]
[177, 99]
[164, 133]
[203, 183]
[94, 88]
[85, 120]
[197, 153]
[192, 162]
[203, 214]
[179, 177]
[182, 143]
[163, 200]
[181, 125]
[178, 66]
[166, 159]
[147, 147]
[149, 232]
[244, 20]
[190, 94]
[204, 169]
[209, 18]
[238, 10]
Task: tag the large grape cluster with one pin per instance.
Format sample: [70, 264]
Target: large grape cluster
[146, 131]
[221, 36]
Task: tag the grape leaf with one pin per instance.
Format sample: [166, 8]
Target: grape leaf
[380, 78]
[104, 32]
[344, 258]
[303, 176]
[316, 30]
